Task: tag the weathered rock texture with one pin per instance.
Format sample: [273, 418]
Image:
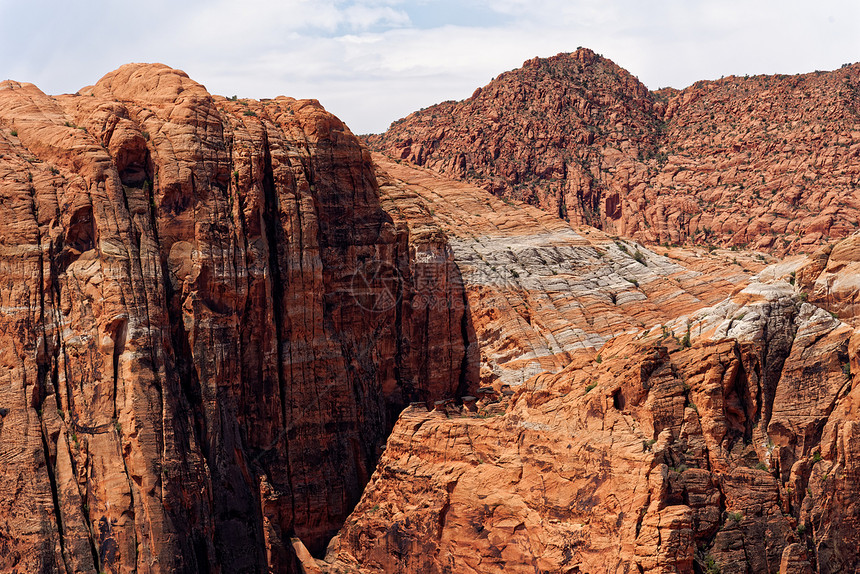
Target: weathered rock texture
[215, 310]
[767, 161]
[203, 335]
[537, 290]
[733, 447]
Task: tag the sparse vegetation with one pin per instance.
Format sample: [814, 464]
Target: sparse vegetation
[249, 113]
[590, 386]
[711, 566]
[685, 340]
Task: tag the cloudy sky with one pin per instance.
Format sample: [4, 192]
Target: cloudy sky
[374, 61]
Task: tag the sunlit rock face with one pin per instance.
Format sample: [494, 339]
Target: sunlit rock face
[204, 336]
[215, 311]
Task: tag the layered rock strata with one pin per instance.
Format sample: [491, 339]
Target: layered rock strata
[537, 290]
[723, 441]
[203, 328]
[216, 310]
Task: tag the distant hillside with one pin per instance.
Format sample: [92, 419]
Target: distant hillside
[765, 161]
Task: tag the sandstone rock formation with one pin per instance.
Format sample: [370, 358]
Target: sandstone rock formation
[203, 340]
[737, 454]
[765, 161]
[216, 310]
[544, 134]
[702, 435]
[537, 291]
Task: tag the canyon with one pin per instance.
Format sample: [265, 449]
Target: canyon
[566, 325]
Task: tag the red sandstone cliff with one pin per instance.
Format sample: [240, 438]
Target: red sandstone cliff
[203, 336]
[766, 161]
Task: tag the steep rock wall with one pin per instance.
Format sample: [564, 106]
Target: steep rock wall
[200, 359]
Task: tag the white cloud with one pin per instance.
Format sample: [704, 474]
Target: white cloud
[373, 61]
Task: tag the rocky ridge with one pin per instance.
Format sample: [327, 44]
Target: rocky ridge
[537, 290]
[717, 437]
[768, 162]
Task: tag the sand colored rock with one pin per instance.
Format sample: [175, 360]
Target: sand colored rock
[830, 278]
[216, 310]
[538, 291]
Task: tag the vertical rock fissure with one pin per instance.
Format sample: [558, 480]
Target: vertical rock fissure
[774, 360]
[149, 193]
[741, 387]
[41, 381]
[55, 498]
[406, 388]
[272, 224]
[463, 379]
